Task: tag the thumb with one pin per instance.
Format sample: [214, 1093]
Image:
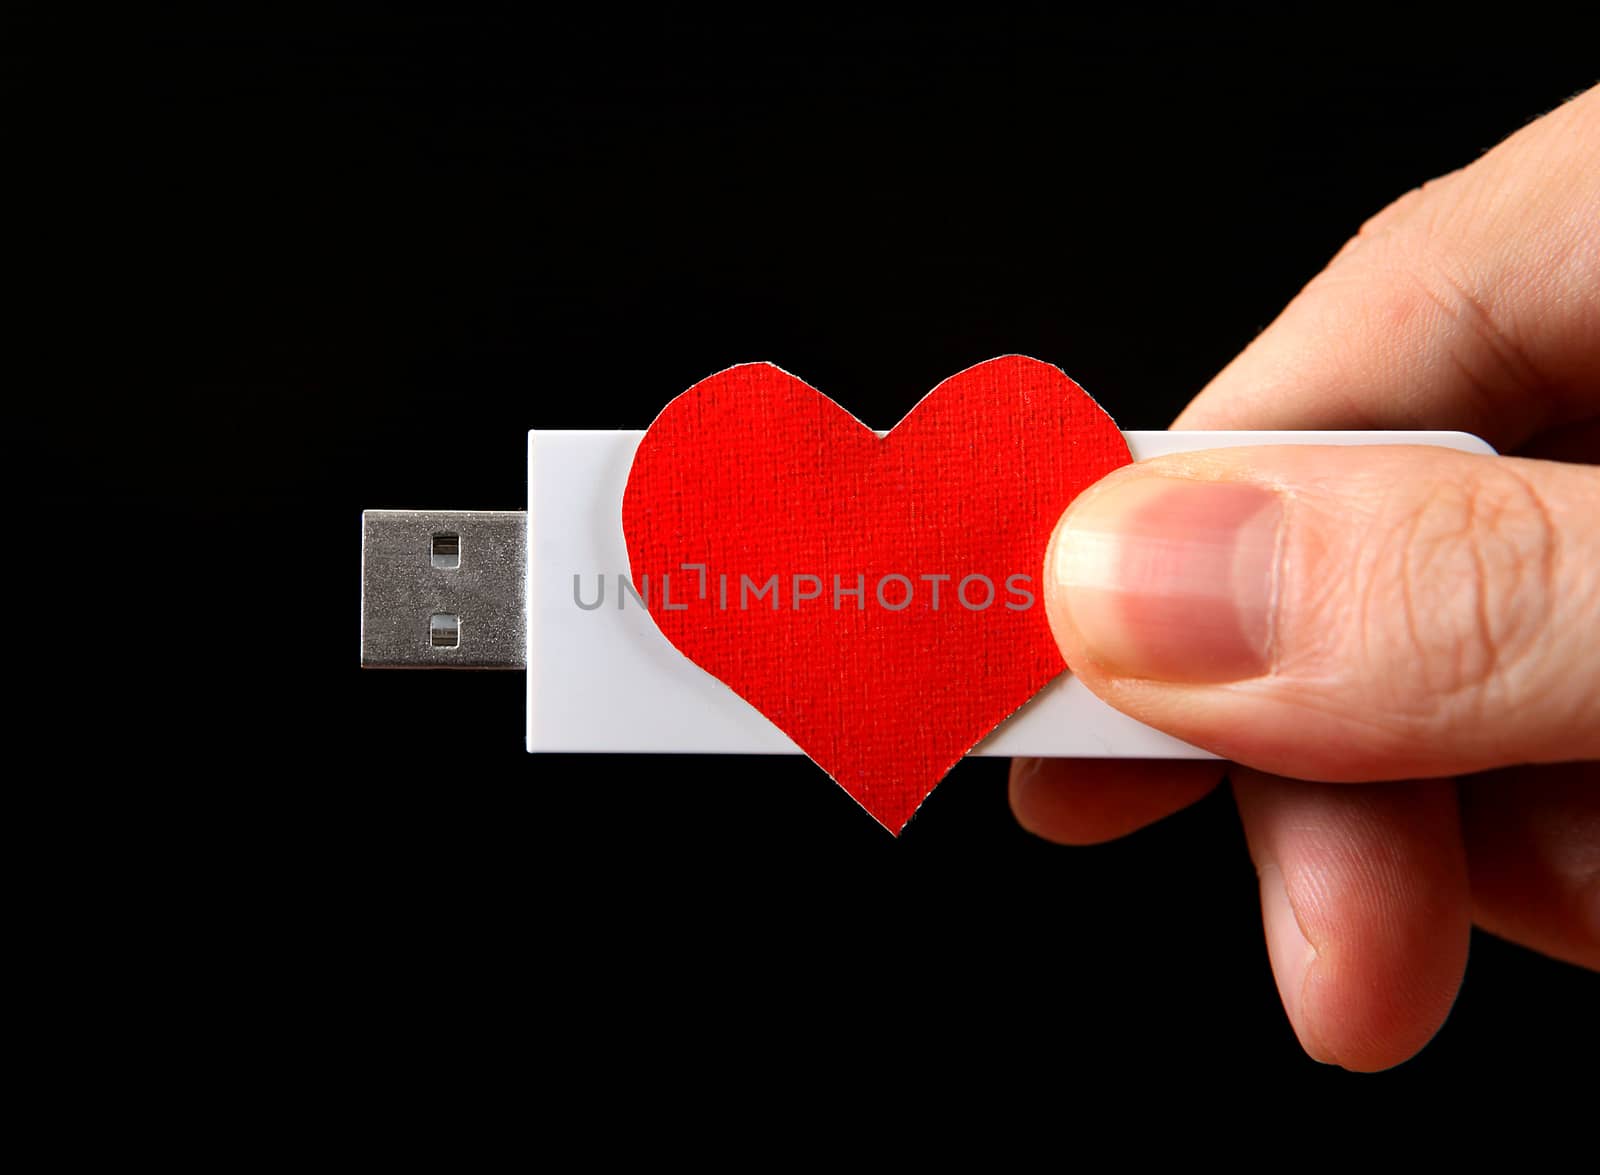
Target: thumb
[1340, 613]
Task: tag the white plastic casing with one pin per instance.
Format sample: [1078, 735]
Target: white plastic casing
[607, 680]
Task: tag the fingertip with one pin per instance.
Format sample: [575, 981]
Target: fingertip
[1365, 909]
[1090, 801]
[1030, 809]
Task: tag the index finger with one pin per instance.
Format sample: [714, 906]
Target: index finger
[1471, 303]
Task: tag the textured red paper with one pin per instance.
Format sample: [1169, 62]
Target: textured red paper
[752, 474]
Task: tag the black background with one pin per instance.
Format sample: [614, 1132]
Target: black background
[295, 267]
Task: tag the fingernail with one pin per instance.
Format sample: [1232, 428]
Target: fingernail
[1291, 955]
[1168, 579]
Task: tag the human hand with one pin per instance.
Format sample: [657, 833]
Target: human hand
[1420, 622]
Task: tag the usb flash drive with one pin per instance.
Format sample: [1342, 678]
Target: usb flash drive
[546, 590]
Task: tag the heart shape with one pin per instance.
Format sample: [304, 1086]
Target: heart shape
[877, 598]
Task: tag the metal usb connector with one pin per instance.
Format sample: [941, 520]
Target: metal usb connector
[444, 589]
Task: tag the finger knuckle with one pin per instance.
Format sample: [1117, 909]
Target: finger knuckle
[1411, 289]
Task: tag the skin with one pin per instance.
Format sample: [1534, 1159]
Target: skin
[1417, 754]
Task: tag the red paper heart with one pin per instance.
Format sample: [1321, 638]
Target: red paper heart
[752, 474]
